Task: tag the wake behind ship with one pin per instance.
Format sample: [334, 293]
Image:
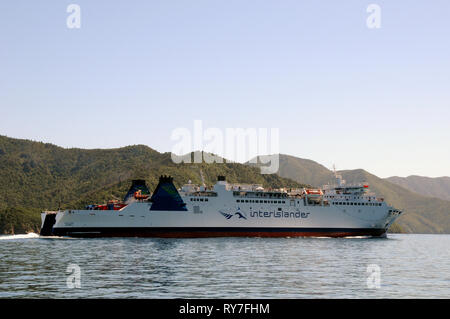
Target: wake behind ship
[228, 210]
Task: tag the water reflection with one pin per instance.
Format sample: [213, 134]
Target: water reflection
[411, 266]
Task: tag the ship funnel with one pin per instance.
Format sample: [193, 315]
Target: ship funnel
[221, 184]
[166, 196]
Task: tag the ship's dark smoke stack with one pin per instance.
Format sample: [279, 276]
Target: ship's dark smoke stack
[166, 196]
[165, 179]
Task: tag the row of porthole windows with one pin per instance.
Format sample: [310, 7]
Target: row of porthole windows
[198, 199]
[357, 204]
[260, 201]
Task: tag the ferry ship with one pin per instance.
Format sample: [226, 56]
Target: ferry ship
[228, 210]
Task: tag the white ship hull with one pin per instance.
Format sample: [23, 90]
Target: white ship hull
[227, 212]
[222, 216]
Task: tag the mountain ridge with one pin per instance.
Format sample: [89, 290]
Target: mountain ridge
[438, 187]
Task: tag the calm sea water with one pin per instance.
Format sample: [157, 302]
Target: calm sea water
[411, 266]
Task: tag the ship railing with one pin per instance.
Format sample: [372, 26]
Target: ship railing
[245, 187]
[203, 194]
[355, 185]
[265, 195]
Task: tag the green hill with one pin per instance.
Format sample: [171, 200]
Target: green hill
[304, 169]
[299, 169]
[422, 214]
[36, 176]
[433, 187]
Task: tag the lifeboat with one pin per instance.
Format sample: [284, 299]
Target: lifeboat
[138, 195]
[313, 192]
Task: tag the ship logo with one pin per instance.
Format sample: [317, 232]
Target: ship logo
[229, 216]
[240, 215]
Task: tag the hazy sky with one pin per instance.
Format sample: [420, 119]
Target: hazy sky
[339, 92]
